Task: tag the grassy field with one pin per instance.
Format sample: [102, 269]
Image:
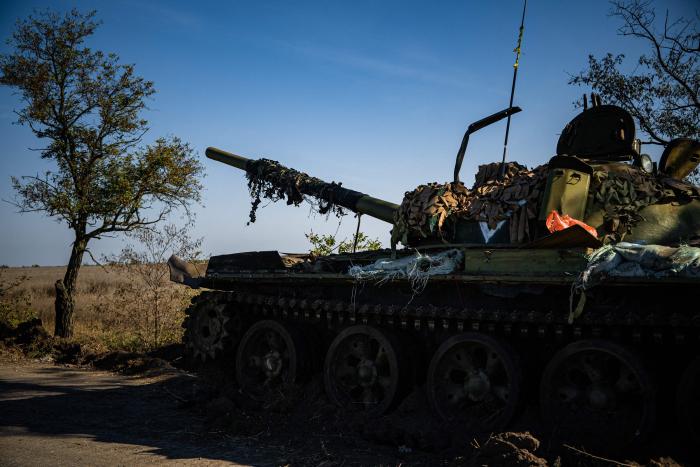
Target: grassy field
[117, 307]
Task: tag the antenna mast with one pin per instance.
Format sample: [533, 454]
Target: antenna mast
[502, 169]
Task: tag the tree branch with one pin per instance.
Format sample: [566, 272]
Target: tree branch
[651, 37]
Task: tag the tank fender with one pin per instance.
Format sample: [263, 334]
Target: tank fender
[183, 272]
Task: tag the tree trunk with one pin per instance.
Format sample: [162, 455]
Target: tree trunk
[65, 302]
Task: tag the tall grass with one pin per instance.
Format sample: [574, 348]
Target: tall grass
[114, 308]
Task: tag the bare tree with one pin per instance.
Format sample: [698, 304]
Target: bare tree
[87, 107]
[663, 91]
[153, 306]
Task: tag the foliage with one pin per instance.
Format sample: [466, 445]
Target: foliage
[15, 304]
[148, 303]
[322, 245]
[662, 92]
[87, 106]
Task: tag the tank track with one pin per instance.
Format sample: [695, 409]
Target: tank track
[666, 341]
[638, 326]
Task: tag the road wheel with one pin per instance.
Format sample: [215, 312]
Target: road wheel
[362, 370]
[271, 357]
[599, 394]
[474, 381]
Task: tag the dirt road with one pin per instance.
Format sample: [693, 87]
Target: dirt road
[53, 415]
[66, 416]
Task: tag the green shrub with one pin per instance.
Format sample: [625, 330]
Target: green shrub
[15, 304]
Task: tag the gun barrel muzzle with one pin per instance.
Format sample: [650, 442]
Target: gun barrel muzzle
[229, 158]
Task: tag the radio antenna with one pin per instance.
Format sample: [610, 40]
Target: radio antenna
[501, 171]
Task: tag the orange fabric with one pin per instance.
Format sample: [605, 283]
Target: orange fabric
[555, 222]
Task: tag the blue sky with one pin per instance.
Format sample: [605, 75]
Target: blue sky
[373, 94]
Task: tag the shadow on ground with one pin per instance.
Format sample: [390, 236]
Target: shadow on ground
[54, 415]
[59, 403]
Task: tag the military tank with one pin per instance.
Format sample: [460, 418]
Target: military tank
[481, 299]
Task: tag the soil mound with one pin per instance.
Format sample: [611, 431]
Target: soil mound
[509, 449]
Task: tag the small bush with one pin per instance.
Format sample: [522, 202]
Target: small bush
[15, 303]
[323, 245]
[146, 302]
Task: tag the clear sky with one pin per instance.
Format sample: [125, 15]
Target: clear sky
[374, 94]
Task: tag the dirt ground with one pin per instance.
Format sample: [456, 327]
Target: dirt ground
[64, 415]
[60, 415]
[55, 415]
[148, 412]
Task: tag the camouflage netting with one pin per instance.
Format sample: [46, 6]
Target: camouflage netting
[432, 210]
[619, 191]
[271, 180]
[622, 193]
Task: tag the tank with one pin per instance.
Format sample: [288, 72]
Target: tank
[570, 286]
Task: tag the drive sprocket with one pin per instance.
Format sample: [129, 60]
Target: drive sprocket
[207, 328]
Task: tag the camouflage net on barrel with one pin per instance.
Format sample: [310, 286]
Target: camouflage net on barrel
[271, 180]
[431, 211]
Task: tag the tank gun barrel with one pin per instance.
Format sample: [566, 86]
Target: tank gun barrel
[234, 160]
[353, 200]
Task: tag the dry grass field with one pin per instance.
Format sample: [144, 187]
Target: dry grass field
[117, 307]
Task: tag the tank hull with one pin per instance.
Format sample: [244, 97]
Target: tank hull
[521, 299]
